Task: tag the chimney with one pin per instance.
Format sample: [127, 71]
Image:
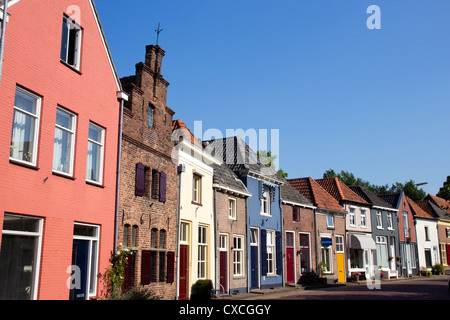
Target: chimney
[153, 58]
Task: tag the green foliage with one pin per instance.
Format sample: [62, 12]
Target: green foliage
[349, 179]
[266, 157]
[444, 192]
[201, 290]
[115, 273]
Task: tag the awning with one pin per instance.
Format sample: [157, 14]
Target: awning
[361, 241]
[326, 242]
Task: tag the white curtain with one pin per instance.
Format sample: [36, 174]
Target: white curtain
[20, 149]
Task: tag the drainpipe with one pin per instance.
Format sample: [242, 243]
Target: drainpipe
[215, 241]
[2, 43]
[180, 169]
[315, 239]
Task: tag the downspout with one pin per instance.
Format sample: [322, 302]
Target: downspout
[282, 237]
[315, 240]
[121, 96]
[2, 43]
[179, 171]
[215, 240]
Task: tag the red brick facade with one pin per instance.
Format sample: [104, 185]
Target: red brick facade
[148, 222]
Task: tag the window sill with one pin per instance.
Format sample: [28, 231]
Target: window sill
[23, 164]
[63, 175]
[70, 67]
[95, 184]
[196, 203]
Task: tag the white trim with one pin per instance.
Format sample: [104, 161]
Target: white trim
[232, 191]
[298, 204]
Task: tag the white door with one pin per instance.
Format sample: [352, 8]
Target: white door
[408, 260]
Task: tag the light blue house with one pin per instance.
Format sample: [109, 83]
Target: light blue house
[264, 225]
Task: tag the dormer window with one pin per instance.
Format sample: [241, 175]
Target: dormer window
[71, 43]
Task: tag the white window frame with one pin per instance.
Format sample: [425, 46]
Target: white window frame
[91, 274]
[379, 220]
[36, 117]
[101, 144]
[196, 188]
[271, 252]
[339, 244]
[202, 258]
[72, 133]
[254, 237]
[330, 218]
[232, 208]
[238, 255]
[265, 204]
[352, 217]
[363, 218]
[38, 235]
[184, 232]
[390, 224]
[70, 24]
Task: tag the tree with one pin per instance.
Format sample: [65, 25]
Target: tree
[267, 158]
[409, 187]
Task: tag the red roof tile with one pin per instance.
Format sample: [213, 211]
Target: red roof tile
[339, 190]
[315, 193]
[184, 131]
[440, 202]
[418, 210]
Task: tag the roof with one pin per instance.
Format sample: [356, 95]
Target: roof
[289, 193]
[339, 190]
[370, 197]
[418, 211]
[240, 157]
[440, 202]
[183, 131]
[315, 194]
[392, 199]
[225, 177]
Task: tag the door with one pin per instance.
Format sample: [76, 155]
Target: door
[340, 267]
[254, 267]
[184, 273]
[290, 265]
[80, 259]
[223, 272]
[408, 260]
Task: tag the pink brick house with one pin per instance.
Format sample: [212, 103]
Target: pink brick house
[60, 100]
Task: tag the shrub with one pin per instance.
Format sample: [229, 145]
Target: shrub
[201, 290]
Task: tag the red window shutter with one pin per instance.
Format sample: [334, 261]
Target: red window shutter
[140, 180]
[170, 266]
[146, 267]
[162, 187]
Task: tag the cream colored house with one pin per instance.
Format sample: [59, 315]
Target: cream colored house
[196, 244]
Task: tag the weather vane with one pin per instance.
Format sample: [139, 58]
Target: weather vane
[158, 31]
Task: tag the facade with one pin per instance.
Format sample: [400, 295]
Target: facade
[147, 217]
[385, 232]
[230, 208]
[264, 223]
[408, 245]
[330, 241]
[427, 236]
[197, 246]
[299, 234]
[360, 244]
[440, 208]
[59, 143]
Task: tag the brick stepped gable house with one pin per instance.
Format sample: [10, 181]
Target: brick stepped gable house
[407, 233]
[264, 225]
[440, 208]
[148, 184]
[329, 239]
[360, 244]
[197, 246]
[385, 232]
[58, 149]
[230, 206]
[299, 234]
[427, 234]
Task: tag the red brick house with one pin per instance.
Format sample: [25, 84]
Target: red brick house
[59, 138]
[299, 234]
[148, 183]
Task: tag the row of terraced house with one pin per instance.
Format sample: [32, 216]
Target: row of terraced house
[92, 163]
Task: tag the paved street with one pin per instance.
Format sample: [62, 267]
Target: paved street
[417, 288]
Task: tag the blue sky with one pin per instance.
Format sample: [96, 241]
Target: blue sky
[372, 102]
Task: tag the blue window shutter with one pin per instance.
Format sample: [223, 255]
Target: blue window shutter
[140, 180]
[264, 252]
[279, 253]
[162, 187]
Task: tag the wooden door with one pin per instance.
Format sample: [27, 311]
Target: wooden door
[223, 272]
[184, 273]
[290, 278]
[340, 267]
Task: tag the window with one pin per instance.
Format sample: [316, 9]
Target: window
[265, 203]
[254, 236]
[379, 220]
[428, 260]
[223, 242]
[326, 258]
[330, 221]
[20, 257]
[238, 255]
[304, 251]
[382, 251]
[202, 252]
[94, 169]
[184, 233]
[150, 116]
[363, 218]
[85, 257]
[155, 183]
[197, 189]
[25, 129]
[352, 217]
[427, 236]
[296, 214]
[232, 208]
[270, 245]
[71, 43]
[405, 223]
[289, 239]
[339, 243]
[389, 221]
[64, 144]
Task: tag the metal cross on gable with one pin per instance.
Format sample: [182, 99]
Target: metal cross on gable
[158, 31]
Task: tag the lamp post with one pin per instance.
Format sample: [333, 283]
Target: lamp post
[3, 3]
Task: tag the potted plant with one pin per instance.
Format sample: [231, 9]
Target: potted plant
[322, 269]
[355, 276]
[438, 269]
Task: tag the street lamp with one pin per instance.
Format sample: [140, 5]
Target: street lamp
[421, 184]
